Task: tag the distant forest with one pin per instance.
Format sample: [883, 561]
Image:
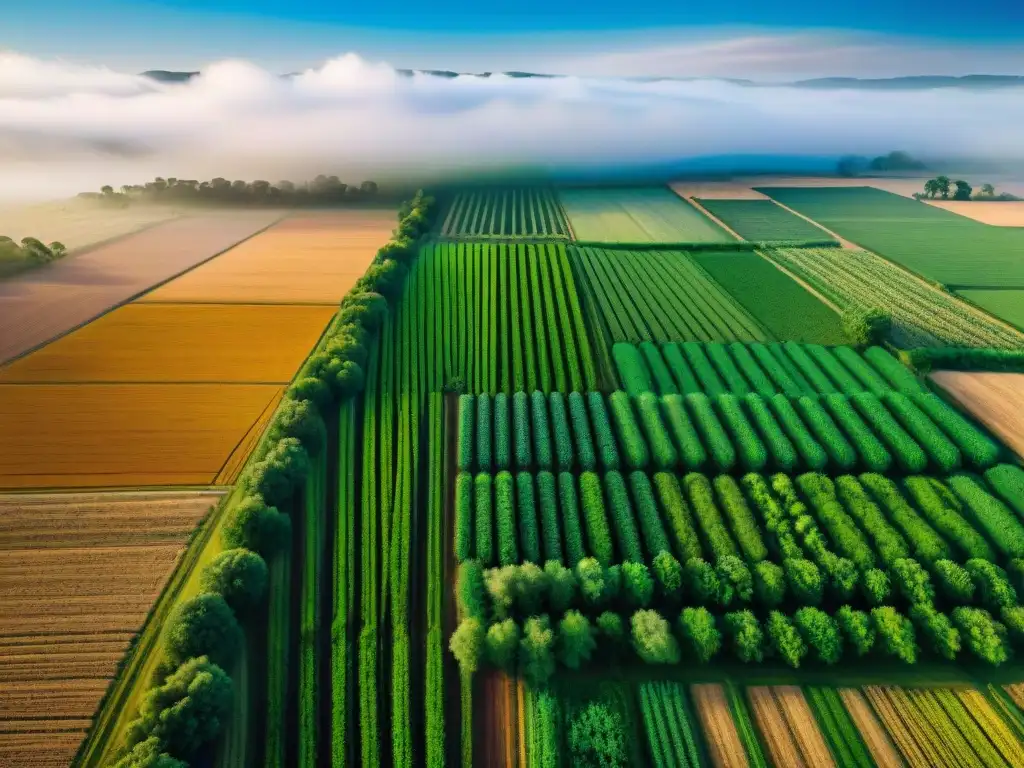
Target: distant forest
[321, 191]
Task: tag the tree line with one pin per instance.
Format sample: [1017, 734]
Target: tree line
[323, 190]
[190, 696]
[943, 187]
[30, 252]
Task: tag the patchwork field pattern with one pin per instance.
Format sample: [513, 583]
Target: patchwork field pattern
[116, 435]
[659, 296]
[78, 574]
[922, 315]
[637, 215]
[310, 258]
[508, 213]
[777, 301]
[44, 303]
[764, 221]
[937, 244]
[180, 343]
[1007, 304]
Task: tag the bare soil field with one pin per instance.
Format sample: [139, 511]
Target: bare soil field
[120, 435]
[994, 399]
[898, 186]
[43, 303]
[724, 746]
[78, 223]
[875, 738]
[309, 258]
[1006, 214]
[717, 190]
[180, 343]
[78, 574]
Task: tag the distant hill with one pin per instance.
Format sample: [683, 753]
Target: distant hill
[917, 82]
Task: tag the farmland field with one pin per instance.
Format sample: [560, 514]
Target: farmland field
[224, 343]
[763, 221]
[306, 258]
[995, 399]
[78, 574]
[997, 214]
[637, 215]
[116, 435]
[1006, 304]
[937, 244]
[37, 306]
[783, 306]
[922, 315]
[547, 499]
[635, 297]
[506, 213]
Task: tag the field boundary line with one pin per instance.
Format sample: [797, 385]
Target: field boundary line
[143, 644]
[803, 283]
[85, 249]
[921, 279]
[710, 215]
[136, 296]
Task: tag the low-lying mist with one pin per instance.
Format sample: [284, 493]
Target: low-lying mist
[66, 128]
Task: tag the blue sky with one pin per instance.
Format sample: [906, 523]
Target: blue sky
[544, 35]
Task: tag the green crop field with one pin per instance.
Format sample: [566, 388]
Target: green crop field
[637, 215]
[779, 303]
[505, 213]
[941, 246]
[763, 221]
[659, 296]
[1006, 304]
[922, 315]
[546, 504]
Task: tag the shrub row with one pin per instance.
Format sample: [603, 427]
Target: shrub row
[190, 701]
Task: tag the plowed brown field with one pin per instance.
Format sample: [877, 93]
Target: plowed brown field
[117, 435]
[180, 342]
[312, 259]
[44, 303]
[994, 399]
[78, 574]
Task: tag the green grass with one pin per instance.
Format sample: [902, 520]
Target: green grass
[1006, 304]
[637, 215]
[763, 221]
[660, 296]
[941, 246]
[775, 300]
[505, 213]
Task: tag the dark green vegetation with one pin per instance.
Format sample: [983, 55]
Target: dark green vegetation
[15, 257]
[783, 306]
[505, 214]
[764, 221]
[658, 296]
[927, 240]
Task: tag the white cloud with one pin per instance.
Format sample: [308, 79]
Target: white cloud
[63, 128]
[780, 56]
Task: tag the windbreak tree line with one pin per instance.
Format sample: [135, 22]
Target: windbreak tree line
[191, 694]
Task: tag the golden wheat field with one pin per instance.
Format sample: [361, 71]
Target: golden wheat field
[312, 258]
[724, 746]
[115, 435]
[180, 342]
[78, 575]
[994, 399]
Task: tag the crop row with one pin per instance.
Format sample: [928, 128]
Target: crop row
[725, 433]
[762, 541]
[536, 644]
[498, 318]
[922, 314]
[790, 368]
[506, 214]
[672, 733]
[659, 296]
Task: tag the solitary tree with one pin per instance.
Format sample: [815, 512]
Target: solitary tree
[963, 190]
[944, 185]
